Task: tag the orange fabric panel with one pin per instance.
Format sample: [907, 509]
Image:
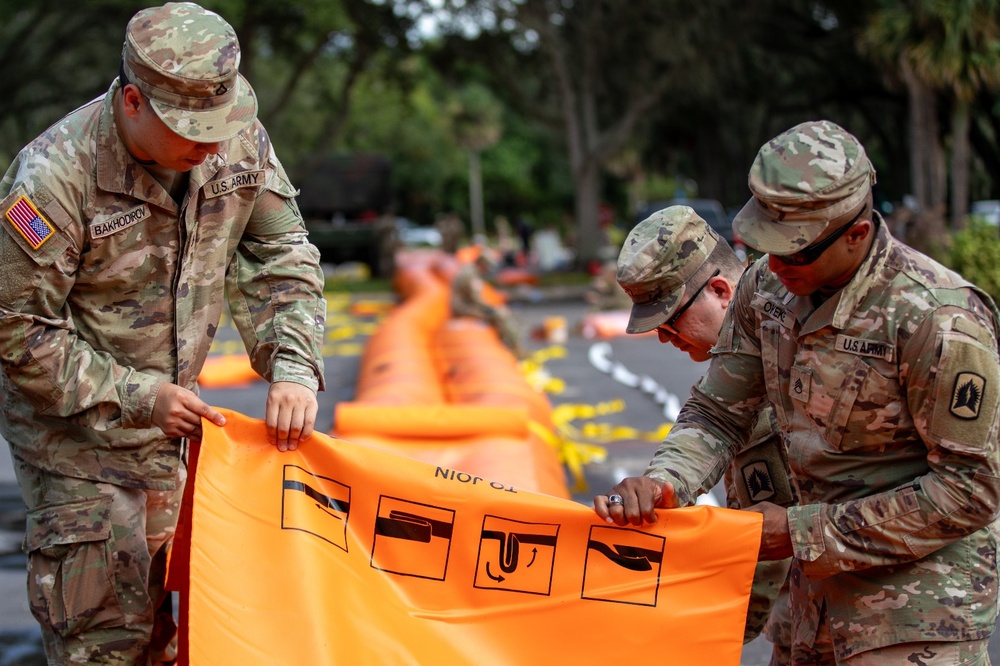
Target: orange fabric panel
[440, 421]
[343, 554]
[526, 462]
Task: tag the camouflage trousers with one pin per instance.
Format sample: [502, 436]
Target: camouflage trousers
[929, 653]
[97, 557]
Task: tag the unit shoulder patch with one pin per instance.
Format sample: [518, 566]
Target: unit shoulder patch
[967, 396]
[965, 392]
[24, 217]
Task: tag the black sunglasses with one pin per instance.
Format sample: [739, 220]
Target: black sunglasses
[808, 255]
[669, 324]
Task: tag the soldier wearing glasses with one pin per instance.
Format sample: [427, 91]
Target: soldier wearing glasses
[681, 276]
[881, 367]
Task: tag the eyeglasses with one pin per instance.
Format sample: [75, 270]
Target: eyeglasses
[669, 324]
[808, 255]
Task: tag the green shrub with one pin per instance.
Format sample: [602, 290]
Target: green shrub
[975, 254]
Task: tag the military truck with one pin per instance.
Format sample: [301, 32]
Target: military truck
[346, 202]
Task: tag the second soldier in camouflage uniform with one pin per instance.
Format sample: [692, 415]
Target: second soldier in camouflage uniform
[680, 276]
[881, 366]
[124, 225]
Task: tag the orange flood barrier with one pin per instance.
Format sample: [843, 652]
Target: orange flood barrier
[438, 388]
[228, 371]
[343, 554]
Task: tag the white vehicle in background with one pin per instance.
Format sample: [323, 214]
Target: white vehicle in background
[415, 235]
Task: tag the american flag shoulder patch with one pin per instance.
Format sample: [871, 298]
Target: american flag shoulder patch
[31, 224]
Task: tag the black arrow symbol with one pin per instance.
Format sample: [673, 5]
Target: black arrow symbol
[498, 579]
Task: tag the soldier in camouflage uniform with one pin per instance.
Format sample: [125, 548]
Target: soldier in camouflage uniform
[681, 275]
[467, 300]
[125, 225]
[881, 366]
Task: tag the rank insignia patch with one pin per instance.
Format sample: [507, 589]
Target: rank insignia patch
[967, 396]
[24, 217]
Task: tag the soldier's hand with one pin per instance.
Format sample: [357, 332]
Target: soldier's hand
[178, 412]
[640, 495]
[290, 414]
[775, 537]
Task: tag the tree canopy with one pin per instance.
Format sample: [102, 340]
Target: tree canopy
[571, 105]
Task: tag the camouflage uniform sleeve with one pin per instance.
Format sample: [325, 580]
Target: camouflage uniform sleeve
[952, 373]
[40, 348]
[466, 294]
[275, 288]
[714, 423]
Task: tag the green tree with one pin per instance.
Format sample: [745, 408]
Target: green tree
[306, 59]
[935, 46]
[54, 56]
[477, 122]
[591, 70]
[975, 254]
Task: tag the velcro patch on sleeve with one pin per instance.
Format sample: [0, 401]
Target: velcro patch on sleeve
[24, 217]
[761, 476]
[965, 391]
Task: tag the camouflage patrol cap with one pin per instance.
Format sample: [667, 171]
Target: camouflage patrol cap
[802, 180]
[185, 60]
[658, 259]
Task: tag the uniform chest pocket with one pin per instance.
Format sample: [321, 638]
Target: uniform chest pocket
[776, 379]
[868, 410]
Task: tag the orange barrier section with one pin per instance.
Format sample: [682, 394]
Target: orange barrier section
[228, 371]
[431, 421]
[447, 391]
[607, 324]
[337, 553]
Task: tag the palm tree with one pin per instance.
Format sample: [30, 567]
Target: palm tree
[478, 124]
[937, 46]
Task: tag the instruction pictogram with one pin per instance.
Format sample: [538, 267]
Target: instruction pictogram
[412, 539]
[622, 566]
[315, 504]
[516, 556]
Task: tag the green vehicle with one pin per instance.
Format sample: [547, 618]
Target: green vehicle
[346, 203]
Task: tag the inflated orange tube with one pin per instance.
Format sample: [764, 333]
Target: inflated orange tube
[431, 421]
[447, 391]
[227, 371]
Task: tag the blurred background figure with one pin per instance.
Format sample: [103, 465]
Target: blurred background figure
[473, 295]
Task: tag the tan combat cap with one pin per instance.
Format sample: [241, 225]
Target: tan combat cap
[659, 257]
[185, 60]
[802, 180]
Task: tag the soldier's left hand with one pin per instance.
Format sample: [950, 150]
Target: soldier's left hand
[290, 414]
[775, 538]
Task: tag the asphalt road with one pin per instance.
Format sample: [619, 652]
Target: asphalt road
[636, 376]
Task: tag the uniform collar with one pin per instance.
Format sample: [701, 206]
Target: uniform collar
[849, 298]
